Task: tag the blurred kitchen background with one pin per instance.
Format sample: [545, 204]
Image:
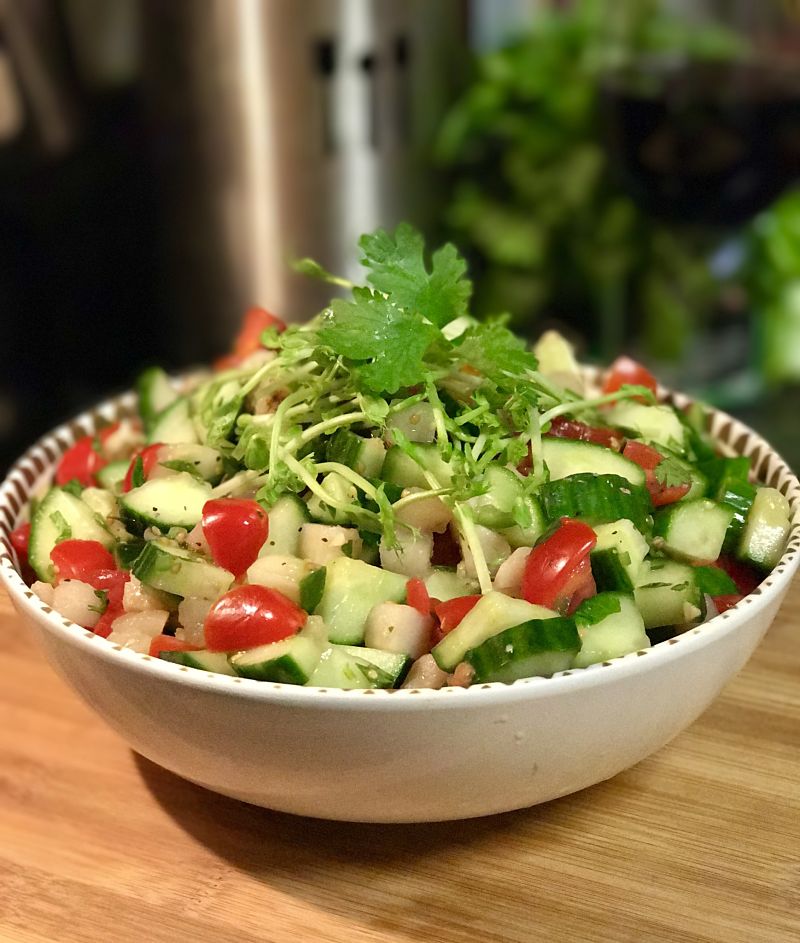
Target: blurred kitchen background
[628, 172]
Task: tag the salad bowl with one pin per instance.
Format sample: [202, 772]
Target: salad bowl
[407, 755]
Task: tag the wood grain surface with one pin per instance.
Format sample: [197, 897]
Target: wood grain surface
[699, 843]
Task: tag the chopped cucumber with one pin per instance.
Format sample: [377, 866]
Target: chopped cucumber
[346, 666]
[61, 516]
[365, 456]
[286, 518]
[766, 530]
[569, 457]
[112, 475]
[654, 423]
[291, 661]
[493, 613]
[202, 660]
[536, 647]
[494, 508]
[156, 394]
[352, 588]
[284, 574]
[693, 530]
[174, 425]
[610, 635]
[443, 584]
[667, 594]
[526, 535]
[175, 501]
[407, 472]
[165, 566]
[201, 461]
[416, 422]
[596, 499]
[739, 495]
[618, 555]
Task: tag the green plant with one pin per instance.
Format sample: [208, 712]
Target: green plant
[536, 202]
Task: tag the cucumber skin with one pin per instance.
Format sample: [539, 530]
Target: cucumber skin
[609, 573]
[596, 499]
[539, 637]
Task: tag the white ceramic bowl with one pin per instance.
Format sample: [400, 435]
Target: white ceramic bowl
[402, 756]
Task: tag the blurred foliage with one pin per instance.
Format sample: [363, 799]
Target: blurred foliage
[536, 202]
[773, 280]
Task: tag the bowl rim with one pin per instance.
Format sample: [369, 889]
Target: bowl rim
[35, 467]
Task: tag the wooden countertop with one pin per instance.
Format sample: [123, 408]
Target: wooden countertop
[699, 843]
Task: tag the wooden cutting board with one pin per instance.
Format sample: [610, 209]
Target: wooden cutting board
[699, 843]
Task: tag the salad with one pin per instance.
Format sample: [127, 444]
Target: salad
[396, 494]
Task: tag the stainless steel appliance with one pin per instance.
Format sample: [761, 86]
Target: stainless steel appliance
[286, 128]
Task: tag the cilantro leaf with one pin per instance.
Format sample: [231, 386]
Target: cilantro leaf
[495, 352]
[387, 343]
[102, 605]
[714, 581]
[671, 473]
[64, 531]
[599, 607]
[74, 487]
[398, 269]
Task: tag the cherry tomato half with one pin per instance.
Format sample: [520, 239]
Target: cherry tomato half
[723, 603]
[81, 559]
[251, 615]
[626, 370]
[248, 340]
[562, 428]
[556, 568]
[745, 577]
[417, 596]
[451, 613]
[149, 458]
[235, 530]
[648, 458]
[81, 462]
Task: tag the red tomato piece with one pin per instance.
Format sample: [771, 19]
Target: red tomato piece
[81, 463]
[562, 428]
[235, 529]
[624, 371]
[451, 613]
[256, 321]
[745, 577]
[723, 603]
[553, 572]
[20, 538]
[81, 559]
[103, 625]
[648, 458]
[168, 643]
[251, 615]
[149, 457]
[417, 596]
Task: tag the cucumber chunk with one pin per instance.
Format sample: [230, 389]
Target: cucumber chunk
[349, 666]
[365, 456]
[494, 508]
[596, 499]
[61, 516]
[286, 518]
[291, 661]
[567, 457]
[112, 475]
[406, 472]
[174, 425]
[174, 501]
[766, 530]
[445, 584]
[202, 660]
[165, 566]
[201, 461]
[618, 555]
[156, 394]
[615, 634]
[537, 647]
[352, 588]
[657, 424]
[694, 530]
[667, 594]
[493, 613]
